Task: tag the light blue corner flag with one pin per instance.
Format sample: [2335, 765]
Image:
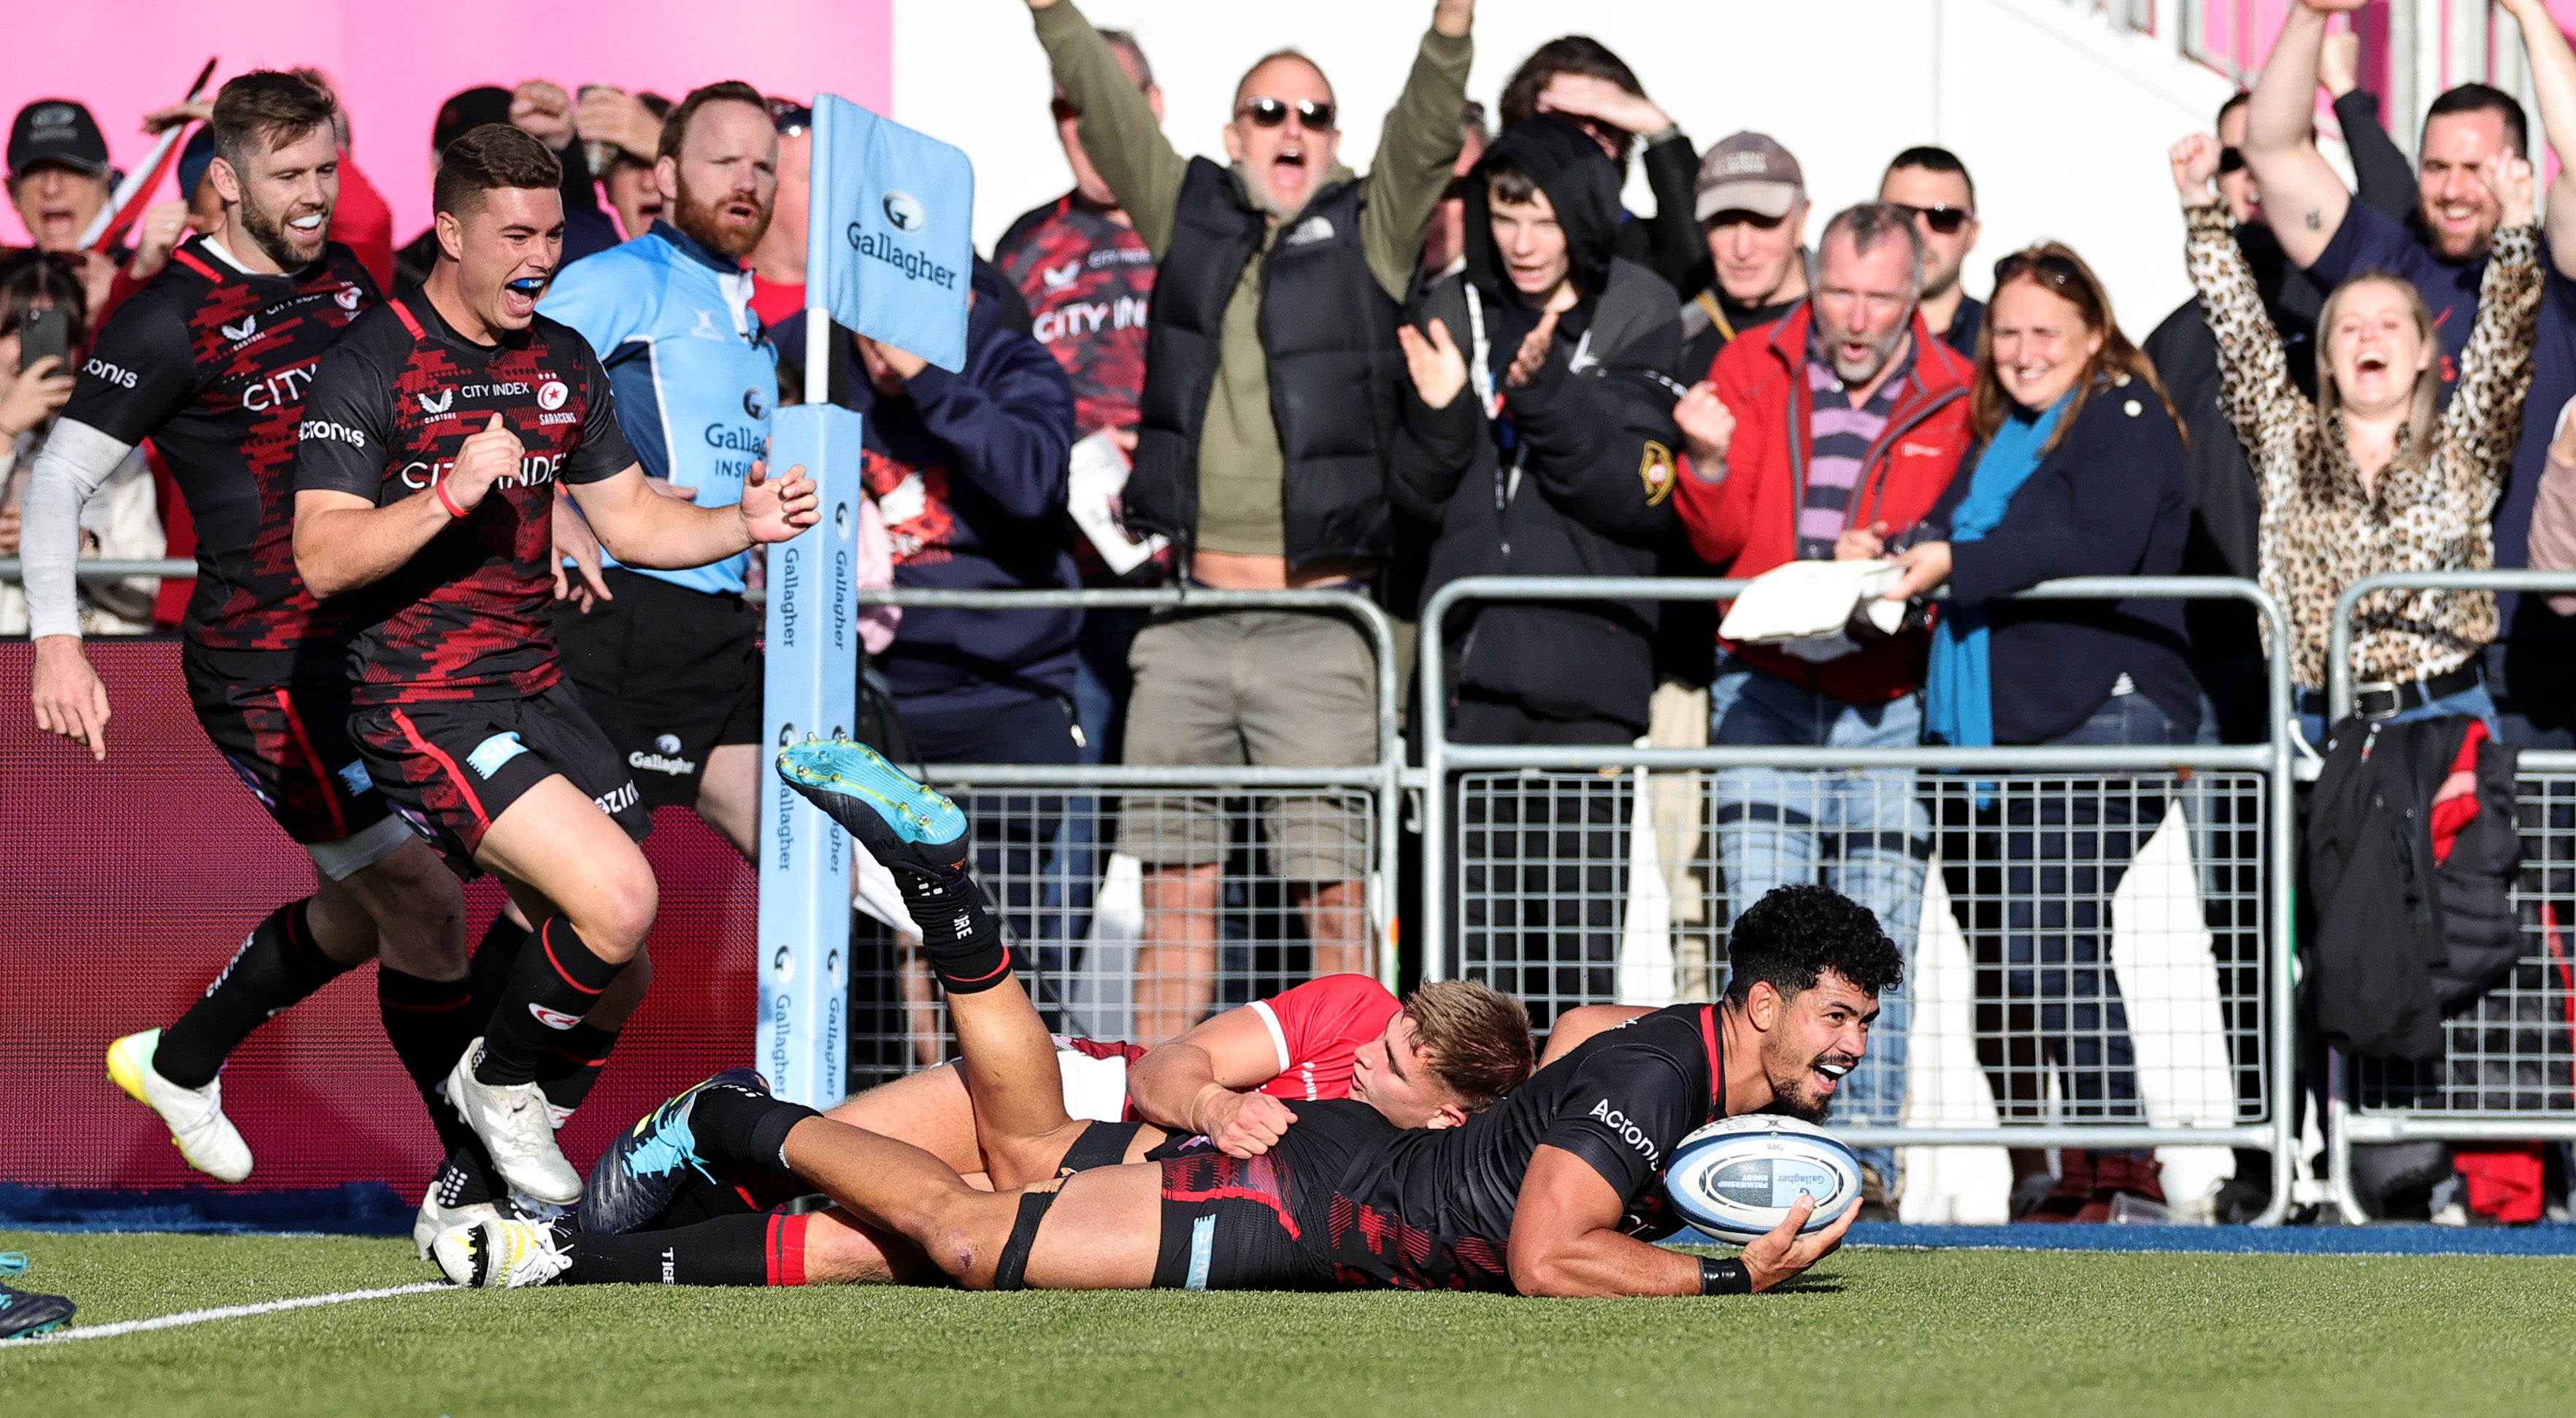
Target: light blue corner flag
[889, 248]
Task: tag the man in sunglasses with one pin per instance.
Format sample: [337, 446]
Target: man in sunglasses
[1934, 185]
[1268, 411]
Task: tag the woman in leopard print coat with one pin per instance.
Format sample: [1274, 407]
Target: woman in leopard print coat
[2368, 477]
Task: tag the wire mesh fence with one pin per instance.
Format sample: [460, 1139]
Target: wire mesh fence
[2090, 949]
[1244, 893]
[2096, 938]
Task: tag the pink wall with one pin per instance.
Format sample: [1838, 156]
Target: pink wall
[395, 63]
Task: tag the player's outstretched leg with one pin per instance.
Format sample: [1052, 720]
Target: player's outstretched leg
[174, 1070]
[755, 1248]
[922, 839]
[925, 1221]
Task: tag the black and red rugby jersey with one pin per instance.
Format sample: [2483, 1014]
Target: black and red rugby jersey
[1088, 282]
[470, 615]
[213, 364]
[1432, 1209]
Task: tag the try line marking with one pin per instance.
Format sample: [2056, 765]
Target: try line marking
[226, 1312]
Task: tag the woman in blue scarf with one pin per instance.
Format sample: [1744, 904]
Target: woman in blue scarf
[2080, 474]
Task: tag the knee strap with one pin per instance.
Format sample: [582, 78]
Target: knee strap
[1010, 1272]
[1101, 1145]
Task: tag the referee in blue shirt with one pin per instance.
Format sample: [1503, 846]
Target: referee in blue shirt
[669, 662]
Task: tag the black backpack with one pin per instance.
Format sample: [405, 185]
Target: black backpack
[2401, 941]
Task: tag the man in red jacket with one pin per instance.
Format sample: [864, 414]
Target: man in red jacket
[1829, 435]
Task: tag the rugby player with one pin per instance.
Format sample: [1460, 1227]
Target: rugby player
[666, 660]
[1548, 1192]
[212, 361]
[432, 442]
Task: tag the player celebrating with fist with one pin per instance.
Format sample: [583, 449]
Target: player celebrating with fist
[431, 442]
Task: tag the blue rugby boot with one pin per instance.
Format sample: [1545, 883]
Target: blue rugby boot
[922, 839]
[24, 1312]
[635, 1180]
[900, 822]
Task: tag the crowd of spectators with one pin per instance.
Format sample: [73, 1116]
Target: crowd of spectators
[1274, 373]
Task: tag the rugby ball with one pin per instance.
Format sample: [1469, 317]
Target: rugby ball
[1737, 1177]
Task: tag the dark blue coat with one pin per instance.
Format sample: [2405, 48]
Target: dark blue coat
[2110, 500]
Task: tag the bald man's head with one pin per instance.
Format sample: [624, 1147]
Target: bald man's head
[1285, 132]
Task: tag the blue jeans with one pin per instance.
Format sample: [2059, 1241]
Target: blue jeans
[1865, 833]
[2033, 892]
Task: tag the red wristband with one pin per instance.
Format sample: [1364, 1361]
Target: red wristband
[440, 488]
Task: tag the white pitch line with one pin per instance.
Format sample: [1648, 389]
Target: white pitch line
[227, 1312]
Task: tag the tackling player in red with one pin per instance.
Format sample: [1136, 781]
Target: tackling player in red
[1432, 1061]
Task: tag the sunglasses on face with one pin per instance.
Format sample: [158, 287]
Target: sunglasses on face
[1940, 216]
[2230, 160]
[2047, 266]
[1271, 112]
[790, 119]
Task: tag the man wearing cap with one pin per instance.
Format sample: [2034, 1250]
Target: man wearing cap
[58, 171]
[1823, 437]
[1751, 206]
[59, 180]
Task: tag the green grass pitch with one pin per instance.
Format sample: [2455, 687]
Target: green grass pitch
[1872, 1331]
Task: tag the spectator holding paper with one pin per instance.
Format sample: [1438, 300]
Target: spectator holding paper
[1848, 415]
[1088, 279]
[2079, 473]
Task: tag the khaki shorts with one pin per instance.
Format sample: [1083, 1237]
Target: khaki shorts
[1279, 689]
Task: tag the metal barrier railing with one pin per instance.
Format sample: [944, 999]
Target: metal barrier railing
[1529, 846]
[1079, 917]
[2508, 1070]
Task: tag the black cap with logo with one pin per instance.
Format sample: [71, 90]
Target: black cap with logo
[58, 132]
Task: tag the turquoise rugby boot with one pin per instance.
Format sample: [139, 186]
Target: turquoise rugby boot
[900, 822]
[24, 1312]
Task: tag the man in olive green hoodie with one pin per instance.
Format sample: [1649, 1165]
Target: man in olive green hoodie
[1272, 383]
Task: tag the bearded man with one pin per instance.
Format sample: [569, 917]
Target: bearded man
[669, 661]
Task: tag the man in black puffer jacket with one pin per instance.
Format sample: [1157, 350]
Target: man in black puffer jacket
[1538, 438]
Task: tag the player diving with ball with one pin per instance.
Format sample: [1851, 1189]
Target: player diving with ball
[1553, 1190]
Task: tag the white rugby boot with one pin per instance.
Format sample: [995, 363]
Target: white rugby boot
[195, 1116]
[501, 1254]
[516, 1129]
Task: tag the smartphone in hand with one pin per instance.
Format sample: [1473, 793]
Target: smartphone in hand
[41, 332]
